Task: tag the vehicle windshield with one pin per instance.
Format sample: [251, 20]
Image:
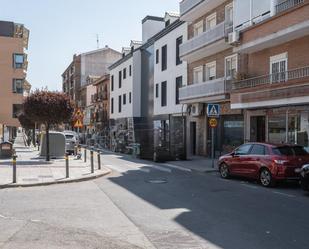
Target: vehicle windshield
[69, 136]
[290, 151]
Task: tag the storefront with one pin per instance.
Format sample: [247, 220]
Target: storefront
[278, 125]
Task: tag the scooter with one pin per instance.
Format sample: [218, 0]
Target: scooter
[304, 177]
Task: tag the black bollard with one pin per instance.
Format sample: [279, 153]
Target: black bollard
[99, 161]
[85, 155]
[67, 172]
[14, 168]
[91, 158]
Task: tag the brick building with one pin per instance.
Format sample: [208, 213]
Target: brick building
[274, 93]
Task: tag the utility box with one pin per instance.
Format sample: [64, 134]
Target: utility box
[6, 150]
[56, 144]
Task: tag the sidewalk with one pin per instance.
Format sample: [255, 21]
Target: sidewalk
[197, 163]
[32, 170]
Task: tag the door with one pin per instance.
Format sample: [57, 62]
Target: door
[240, 159]
[256, 158]
[257, 129]
[193, 138]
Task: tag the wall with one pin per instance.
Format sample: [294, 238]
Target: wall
[173, 71]
[151, 27]
[126, 88]
[9, 46]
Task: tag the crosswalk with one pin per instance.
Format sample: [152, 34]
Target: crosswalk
[121, 165]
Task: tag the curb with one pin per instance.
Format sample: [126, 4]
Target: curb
[64, 181]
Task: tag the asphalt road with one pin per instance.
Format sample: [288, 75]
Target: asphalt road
[146, 205]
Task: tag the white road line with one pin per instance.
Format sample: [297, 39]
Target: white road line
[249, 186]
[177, 167]
[284, 194]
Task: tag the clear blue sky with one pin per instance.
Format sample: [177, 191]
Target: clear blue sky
[60, 28]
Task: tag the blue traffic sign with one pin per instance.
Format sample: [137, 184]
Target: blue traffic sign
[213, 110]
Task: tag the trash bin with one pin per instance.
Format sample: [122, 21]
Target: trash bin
[6, 150]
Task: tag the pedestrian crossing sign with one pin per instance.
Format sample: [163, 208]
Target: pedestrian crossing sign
[213, 110]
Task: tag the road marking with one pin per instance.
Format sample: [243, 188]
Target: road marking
[249, 186]
[284, 194]
[161, 168]
[177, 167]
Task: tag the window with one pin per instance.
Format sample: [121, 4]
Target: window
[210, 71]
[124, 99]
[258, 149]
[18, 86]
[178, 43]
[130, 97]
[112, 83]
[229, 14]
[243, 150]
[211, 21]
[178, 86]
[18, 60]
[125, 73]
[16, 110]
[157, 56]
[130, 70]
[157, 90]
[120, 79]
[198, 28]
[231, 66]
[119, 103]
[278, 67]
[198, 75]
[163, 94]
[164, 58]
[112, 105]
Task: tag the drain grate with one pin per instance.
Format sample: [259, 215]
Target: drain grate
[157, 181]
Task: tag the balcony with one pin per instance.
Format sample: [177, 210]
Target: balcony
[206, 44]
[287, 5]
[191, 10]
[215, 90]
[21, 32]
[282, 77]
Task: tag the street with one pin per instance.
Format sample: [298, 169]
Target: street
[147, 205]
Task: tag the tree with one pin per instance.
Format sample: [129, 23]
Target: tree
[48, 108]
[28, 125]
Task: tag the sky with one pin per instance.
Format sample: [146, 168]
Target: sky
[61, 28]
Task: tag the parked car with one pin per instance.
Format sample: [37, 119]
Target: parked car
[304, 177]
[70, 142]
[265, 162]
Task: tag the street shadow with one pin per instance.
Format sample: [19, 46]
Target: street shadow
[212, 210]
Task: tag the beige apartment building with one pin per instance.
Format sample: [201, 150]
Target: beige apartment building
[212, 65]
[13, 66]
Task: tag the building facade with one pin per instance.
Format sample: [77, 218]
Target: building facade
[94, 63]
[13, 67]
[212, 65]
[274, 90]
[170, 74]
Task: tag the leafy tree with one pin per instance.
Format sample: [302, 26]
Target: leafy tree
[48, 108]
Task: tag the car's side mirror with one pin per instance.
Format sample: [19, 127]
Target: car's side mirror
[233, 153]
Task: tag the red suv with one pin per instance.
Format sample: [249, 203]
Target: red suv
[265, 162]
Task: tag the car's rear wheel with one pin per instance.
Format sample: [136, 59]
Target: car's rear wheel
[224, 171]
[266, 178]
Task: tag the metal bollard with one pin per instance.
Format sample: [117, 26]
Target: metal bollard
[85, 155]
[91, 158]
[67, 172]
[14, 168]
[99, 161]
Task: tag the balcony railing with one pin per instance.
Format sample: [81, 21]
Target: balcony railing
[287, 5]
[204, 39]
[187, 5]
[205, 89]
[272, 78]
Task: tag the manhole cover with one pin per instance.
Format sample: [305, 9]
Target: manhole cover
[157, 181]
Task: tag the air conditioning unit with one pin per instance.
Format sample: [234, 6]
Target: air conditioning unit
[233, 37]
[196, 110]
